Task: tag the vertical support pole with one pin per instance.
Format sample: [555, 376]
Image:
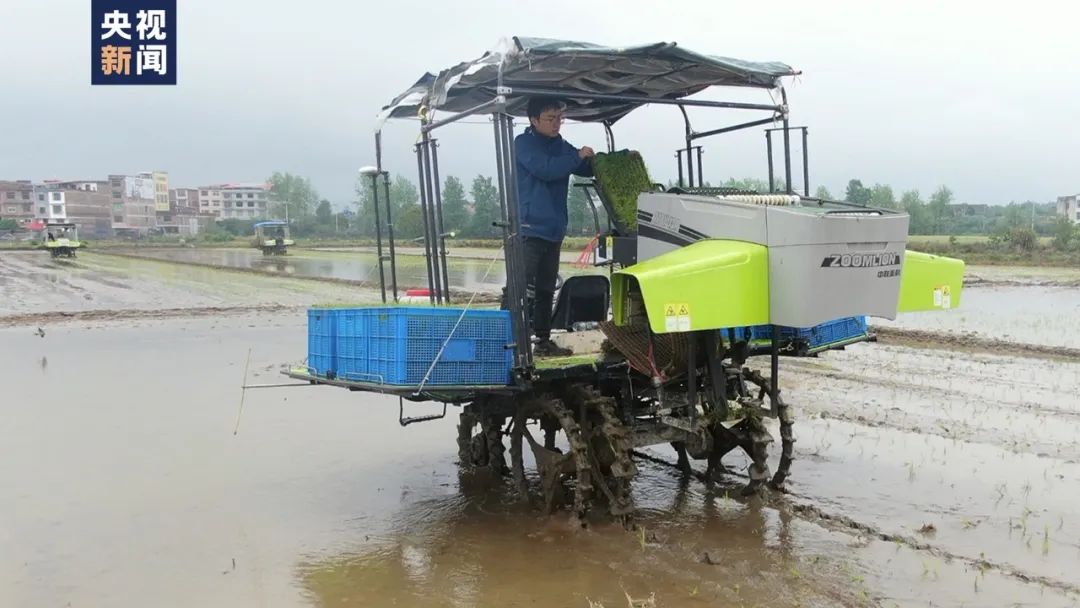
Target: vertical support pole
[787, 145]
[689, 144]
[714, 355]
[689, 164]
[515, 255]
[691, 377]
[375, 203]
[390, 235]
[805, 166]
[429, 217]
[423, 214]
[439, 219]
[378, 234]
[774, 381]
[700, 169]
[678, 158]
[768, 148]
[514, 296]
[609, 135]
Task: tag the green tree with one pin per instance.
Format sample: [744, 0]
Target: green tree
[402, 192]
[291, 195]
[911, 202]
[8, 224]
[455, 207]
[823, 193]
[324, 213]
[409, 222]
[881, 195]
[754, 184]
[485, 208]
[857, 193]
[1064, 233]
[939, 207]
[1013, 217]
[237, 227]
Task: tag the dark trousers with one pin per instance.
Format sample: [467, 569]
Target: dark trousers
[541, 274]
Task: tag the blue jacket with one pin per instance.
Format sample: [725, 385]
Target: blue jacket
[544, 165]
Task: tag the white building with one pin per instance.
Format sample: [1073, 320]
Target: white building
[49, 204]
[210, 200]
[244, 201]
[1069, 206]
[235, 201]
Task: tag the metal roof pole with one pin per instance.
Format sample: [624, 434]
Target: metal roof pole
[430, 229]
[423, 215]
[689, 141]
[441, 240]
[787, 144]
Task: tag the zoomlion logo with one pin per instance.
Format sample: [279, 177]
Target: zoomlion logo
[861, 260]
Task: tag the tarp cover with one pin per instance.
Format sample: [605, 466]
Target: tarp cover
[660, 70]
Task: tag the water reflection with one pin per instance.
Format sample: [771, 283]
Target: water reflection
[479, 547]
[353, 266]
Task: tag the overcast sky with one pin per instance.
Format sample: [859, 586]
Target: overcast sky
[914, 94]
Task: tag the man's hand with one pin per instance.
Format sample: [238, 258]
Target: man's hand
[586, 152]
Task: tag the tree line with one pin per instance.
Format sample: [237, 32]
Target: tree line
[472, 212]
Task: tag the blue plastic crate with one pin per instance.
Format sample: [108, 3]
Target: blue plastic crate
[830, 332]
[322, 347]
[351, 359]
[397, 345]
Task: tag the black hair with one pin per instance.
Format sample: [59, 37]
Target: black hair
[539, 105]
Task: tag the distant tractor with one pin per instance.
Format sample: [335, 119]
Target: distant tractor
[272, 237]
[61, 239]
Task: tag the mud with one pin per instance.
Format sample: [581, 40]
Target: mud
[932, 468]
[33, 284]
[970, 342]
[358, 273]
[1045, 276]
[1032, 314]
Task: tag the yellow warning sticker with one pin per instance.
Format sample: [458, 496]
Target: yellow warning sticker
[942, 297]
[677, 317]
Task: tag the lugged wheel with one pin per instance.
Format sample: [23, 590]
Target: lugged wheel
[787, 421]
[483, 446]
[555, 467]
[610, 447]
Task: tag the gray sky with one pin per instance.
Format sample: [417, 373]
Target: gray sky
[914, 94]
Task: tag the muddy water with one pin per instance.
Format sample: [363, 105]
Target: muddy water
[357, 266]
[1026, 314]
[32, 283]
[124, 486]
[949, 479]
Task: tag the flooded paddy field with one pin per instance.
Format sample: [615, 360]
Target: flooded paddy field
[469, 269]
[923, 476]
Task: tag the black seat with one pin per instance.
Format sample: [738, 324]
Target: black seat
[582, 299]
